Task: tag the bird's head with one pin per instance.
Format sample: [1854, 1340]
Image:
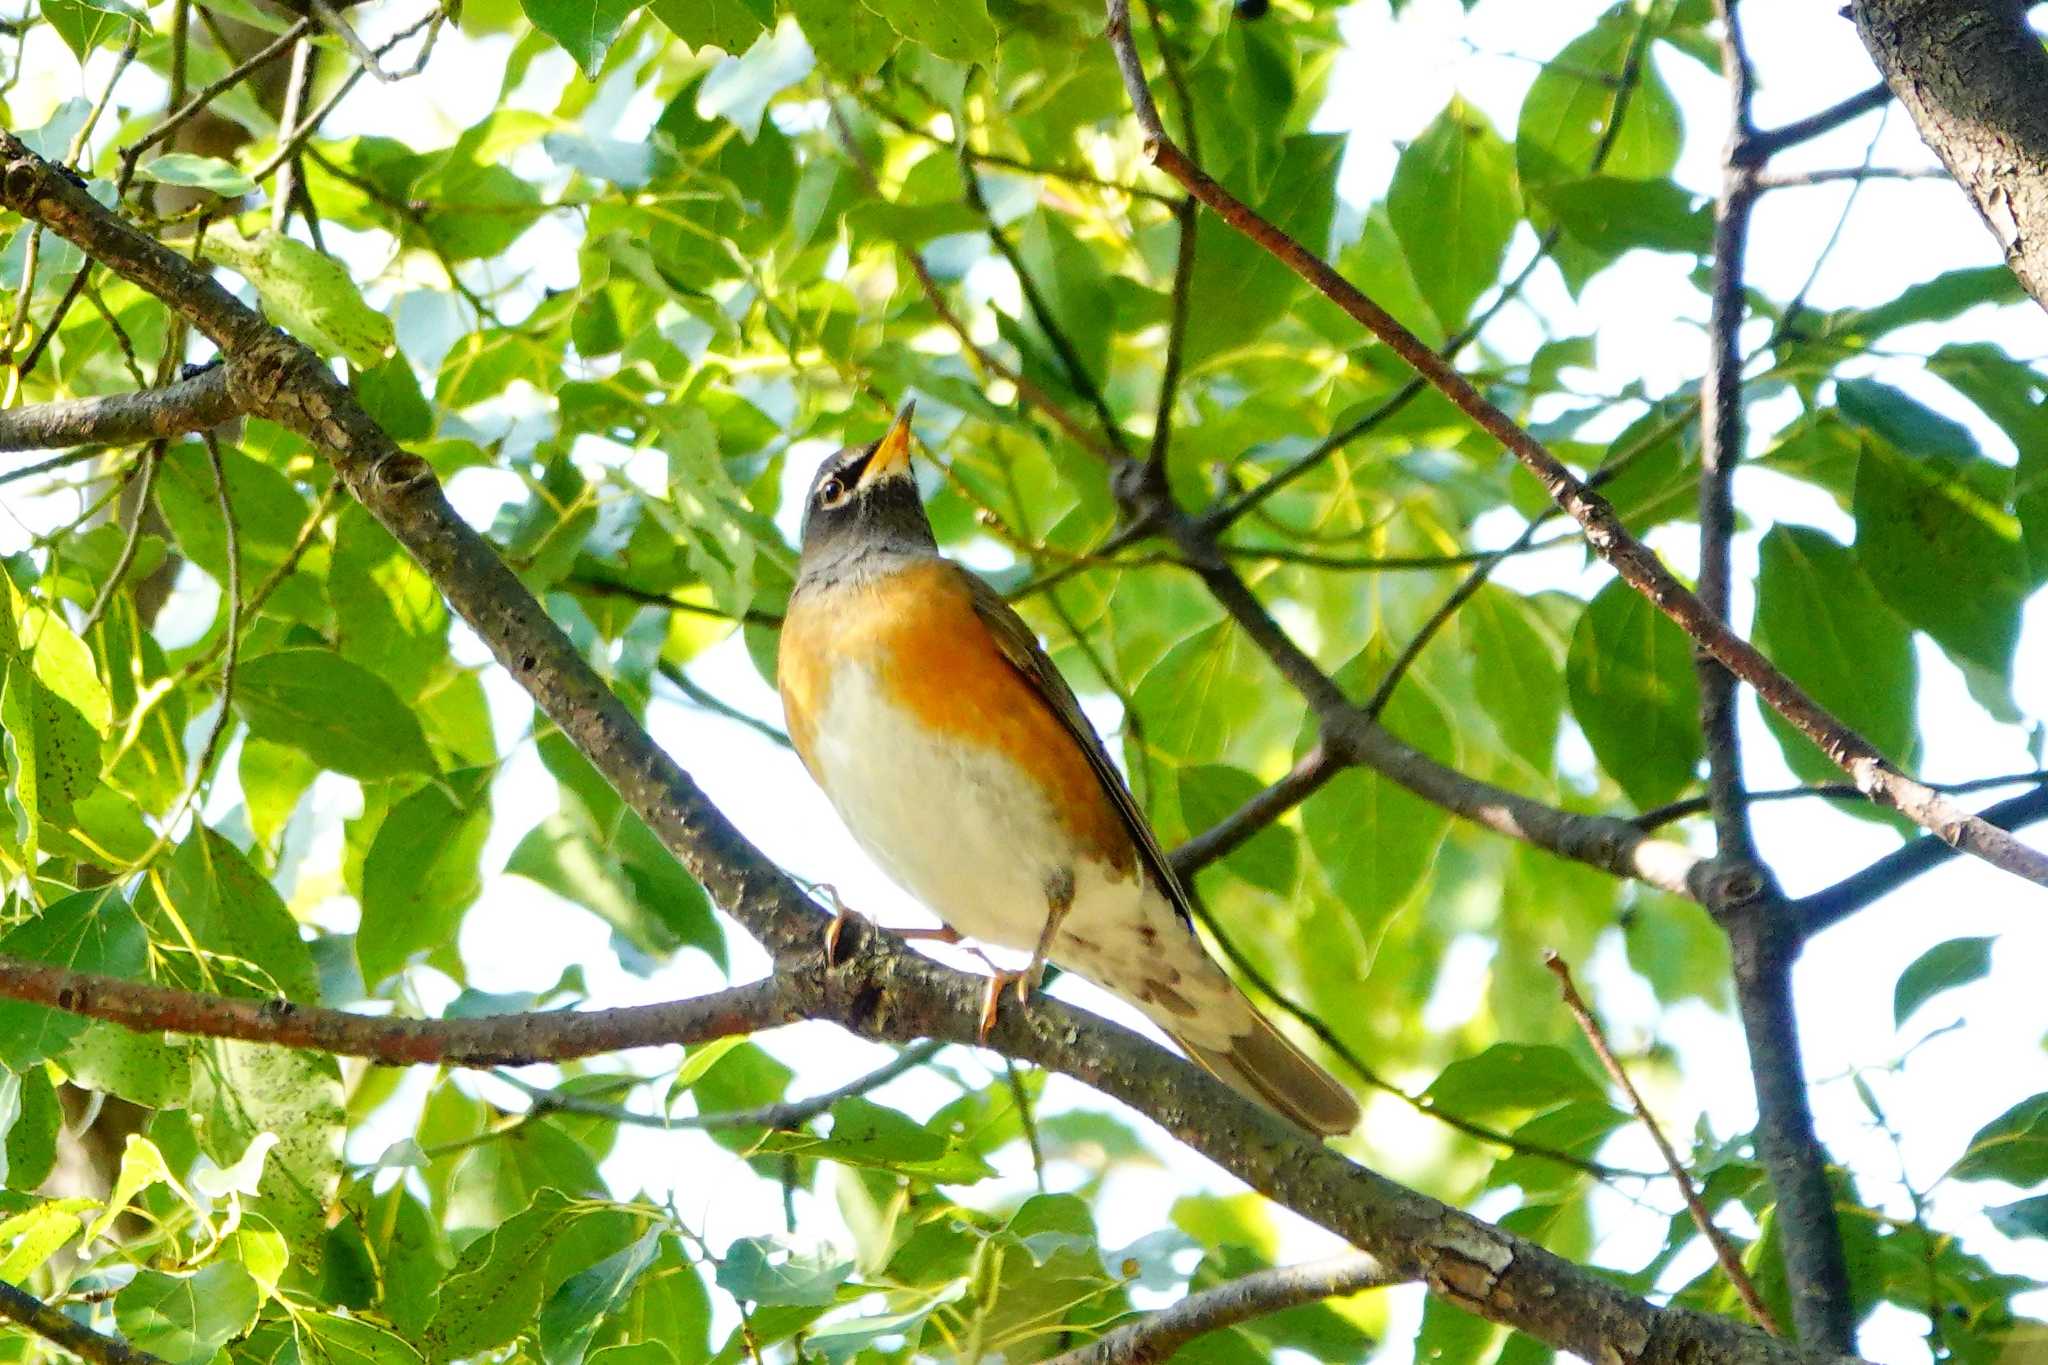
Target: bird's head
[863, 502]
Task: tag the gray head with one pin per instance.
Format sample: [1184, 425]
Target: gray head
[863, 508]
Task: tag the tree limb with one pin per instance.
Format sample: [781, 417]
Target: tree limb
[31, 1314]
[880, 989]
[1973, 77]
[491, 1040]
[121, 418]
[1158, 1336]
[1636, 564]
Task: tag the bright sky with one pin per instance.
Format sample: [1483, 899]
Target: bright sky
[1394, 77]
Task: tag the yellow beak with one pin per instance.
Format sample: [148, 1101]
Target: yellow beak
[892, 454]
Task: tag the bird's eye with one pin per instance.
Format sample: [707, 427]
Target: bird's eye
[830, 492]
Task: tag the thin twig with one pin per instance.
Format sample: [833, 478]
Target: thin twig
[151, 459]
[1724, 1251]
[1658, 816]
[1156, 1337]
[1759, 147]
[786, 1114]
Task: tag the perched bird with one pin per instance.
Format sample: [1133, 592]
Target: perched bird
[959, 759]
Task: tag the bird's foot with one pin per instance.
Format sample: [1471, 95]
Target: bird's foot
[1027, 983]
[841, 913]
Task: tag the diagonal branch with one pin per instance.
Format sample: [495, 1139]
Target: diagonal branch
[31, 1314]
[121, 418]
[1636, 564]
[1831, 905]
[1263, 1292]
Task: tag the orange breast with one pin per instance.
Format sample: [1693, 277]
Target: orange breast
[920, 633]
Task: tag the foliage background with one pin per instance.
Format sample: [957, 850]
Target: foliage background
[624, 314]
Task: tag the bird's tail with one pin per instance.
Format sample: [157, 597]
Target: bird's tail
[1261, 1063]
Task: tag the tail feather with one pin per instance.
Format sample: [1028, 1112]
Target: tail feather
[1262, 1064]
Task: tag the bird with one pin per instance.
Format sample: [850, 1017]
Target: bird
[960, 761]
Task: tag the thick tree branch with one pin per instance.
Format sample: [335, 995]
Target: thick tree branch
[1975, 79]
[1156, 1337]
[31, 1314]
[122, 418]
[1636, 564]
[880, 990]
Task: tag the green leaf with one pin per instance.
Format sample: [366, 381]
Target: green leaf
[1612, 215]
[1927, 523]
[2012, 1147]
[709, 511]
[199, 172]
[225, 907]
[1211, 791]
[583, 28]
[1238, 290]
[1943, 967]
[421, 871]
[866, 1134]
[1937, 300]
[310, 295]
[730, 24]
[91, 931]
[186, 1318]
[1823, 623]
[33, 1237]
[757, 1270]
[1565, 115]
[572, 1316]
[1454, 205]
[340, 714]
[851, 39]
[959, 30]
[148, 1069]
[1375, 840]
[269, 513]
[332, 1340]
[2022, 1218]
[1517, 671]
[243, 1090]
[1511, 1076]
[495, 1289]
[1630, 674]
[86, 24]
[31, 1139]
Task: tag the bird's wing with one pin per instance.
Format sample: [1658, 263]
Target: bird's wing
[1020, 646]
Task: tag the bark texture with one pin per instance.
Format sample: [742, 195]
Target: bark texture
[1974, 77]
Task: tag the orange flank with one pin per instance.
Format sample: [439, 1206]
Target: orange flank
[919, 630]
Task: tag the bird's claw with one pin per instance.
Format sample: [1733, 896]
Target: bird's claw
[840, 915]
[1026, 982]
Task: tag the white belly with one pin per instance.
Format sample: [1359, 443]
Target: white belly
[964, 831]
[960, 828]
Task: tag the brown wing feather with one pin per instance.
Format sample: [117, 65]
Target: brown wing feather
[1020, 646]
